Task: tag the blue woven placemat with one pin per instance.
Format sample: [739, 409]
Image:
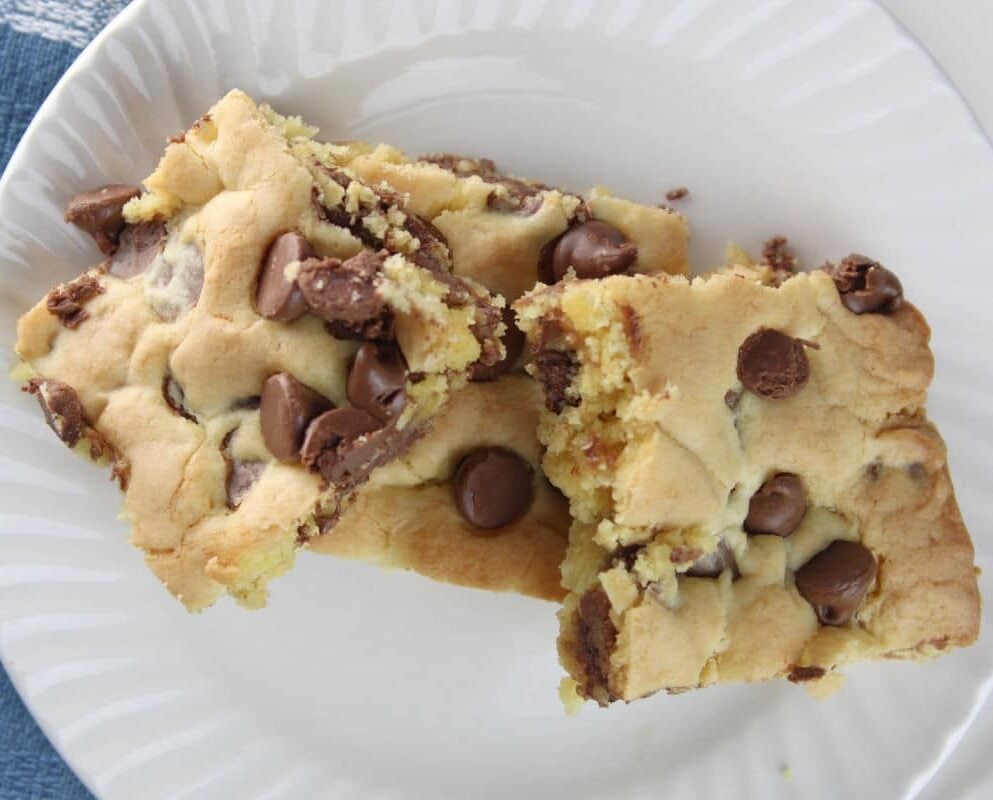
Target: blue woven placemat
[39, 39]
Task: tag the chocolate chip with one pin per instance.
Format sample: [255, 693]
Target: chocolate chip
[338, 445]
[175, 397]
[836, 580]
[524, 204]
[866, 286]
[772, 364]
[100, 213]
[249, 403]
[67, 300]
[278, 297]
[173, 285]
[345, 294]
[778, 506]
[676, 194]
[241, 476]
[556, 370]
[597, 636]
[62, 408]
[594, 249]
[139, 245]
[715, 562]
[286, 409]
[804, 674]
[493, 487]
[626, 555]
[377, 379]
[513, 343]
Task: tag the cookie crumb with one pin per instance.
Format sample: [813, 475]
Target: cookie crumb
[787, 772]
[570, 697]
[777, 253]
[676, 194]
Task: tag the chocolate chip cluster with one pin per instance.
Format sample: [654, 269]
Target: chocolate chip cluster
[773, 366]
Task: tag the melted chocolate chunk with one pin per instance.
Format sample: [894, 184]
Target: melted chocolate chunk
[61, 406]
[593, 249]
[67, 300]
[493, 487]
[631, 321]
[377, 380]
[520, 197]
[432, 254]
[836, 580]
[866, 286]
[714, 563]
[773, 365]
[286, 409]
[463, 166]
[597, 636]
[278, 297]
[484, 328]
[778, 506]
[513, 344]
[65, 415]
[242, 475]
[100, 213]
[556, 371]
[175, 397]
[371, 330]
[345, 294]
[333, 214]
[339, 446]
[139, 245]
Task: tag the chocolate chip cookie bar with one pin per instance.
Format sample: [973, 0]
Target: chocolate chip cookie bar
[266, 330]
[756, 487]
[457, 507]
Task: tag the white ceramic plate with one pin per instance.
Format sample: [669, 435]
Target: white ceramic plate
[820, 120]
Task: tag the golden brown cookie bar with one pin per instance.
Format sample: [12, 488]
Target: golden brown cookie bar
[267, 330]
[507, 233]
[757, 490]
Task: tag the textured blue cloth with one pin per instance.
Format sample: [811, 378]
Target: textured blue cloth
[39, 39]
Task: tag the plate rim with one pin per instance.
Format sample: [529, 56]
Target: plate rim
[15, 674]
[84, 62]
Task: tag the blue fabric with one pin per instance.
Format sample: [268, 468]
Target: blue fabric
[39, 39]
